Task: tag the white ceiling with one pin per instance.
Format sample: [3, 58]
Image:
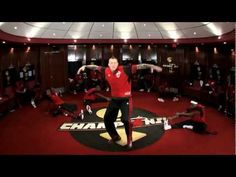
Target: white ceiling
[117, 30]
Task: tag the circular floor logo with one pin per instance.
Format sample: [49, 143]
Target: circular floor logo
[147, 129]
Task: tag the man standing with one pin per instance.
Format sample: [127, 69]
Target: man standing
[119, 79]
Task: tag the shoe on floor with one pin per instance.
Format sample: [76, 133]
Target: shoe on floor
[161, 100]
[166, 125]
[129, 145]
[81, 115]
[65, 114]
[33, 104]
[114, 138]
[88, 108]
[175, 99]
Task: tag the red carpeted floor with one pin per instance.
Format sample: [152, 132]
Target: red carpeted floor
[34, 131]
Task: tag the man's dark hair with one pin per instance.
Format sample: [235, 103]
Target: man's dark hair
[113, 57]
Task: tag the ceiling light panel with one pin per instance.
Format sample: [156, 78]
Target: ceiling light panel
[124, 27]
[77, 35]
[81, 26]
[125, 35]
[49, 34]
[104, 26]
[60, 26]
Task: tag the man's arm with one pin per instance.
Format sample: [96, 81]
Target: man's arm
[149, 66]
[189, 114]
[93, 67]
[91, 91]
[102, 96]
[179, 114]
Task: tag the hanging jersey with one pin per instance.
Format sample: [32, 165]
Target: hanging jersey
[27, 72]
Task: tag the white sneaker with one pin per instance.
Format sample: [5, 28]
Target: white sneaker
[141, 90]
[166, 122]
[33, 104]
[220, 107]
[175, 99]
[160, 100]
[129, 145]
[88, 108]
[81, 115]
[188, 127]
[166, 125]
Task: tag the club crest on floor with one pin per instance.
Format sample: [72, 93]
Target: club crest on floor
[148, 128]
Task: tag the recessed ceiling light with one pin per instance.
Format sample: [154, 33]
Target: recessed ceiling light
[149, 35]
[54, 34]
[144, 24]
[103, 25]
[15, 27]
[100, 35]
[4, 42]
[194, 33]
[63, 23]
